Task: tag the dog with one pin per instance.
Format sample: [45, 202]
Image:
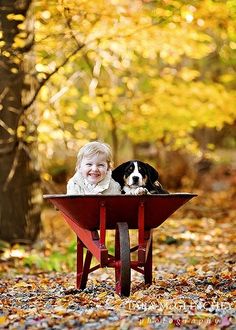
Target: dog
[138, 178]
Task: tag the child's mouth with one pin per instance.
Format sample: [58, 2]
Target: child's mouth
[94, 175]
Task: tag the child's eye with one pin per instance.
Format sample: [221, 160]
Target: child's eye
[88, 164]
[101, 165]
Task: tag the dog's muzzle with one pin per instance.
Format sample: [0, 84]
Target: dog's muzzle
[135, 179]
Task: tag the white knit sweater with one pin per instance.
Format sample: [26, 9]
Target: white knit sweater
[77, 185]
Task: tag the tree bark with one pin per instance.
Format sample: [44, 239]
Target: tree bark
[20, 194]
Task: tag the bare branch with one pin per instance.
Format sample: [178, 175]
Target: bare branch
[43, 82]
[63, 90]
[13, 168]
[74, 37]
[82, 45]
[9, 130]
[4, 93]
[6, 146]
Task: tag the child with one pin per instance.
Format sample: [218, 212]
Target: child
[93, 172]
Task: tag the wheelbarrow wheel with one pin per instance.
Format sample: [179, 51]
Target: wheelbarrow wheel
[122, 258]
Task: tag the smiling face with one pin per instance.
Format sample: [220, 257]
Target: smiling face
[94, 168]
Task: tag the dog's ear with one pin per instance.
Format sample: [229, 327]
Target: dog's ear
[153, 175]
[153, 184]
[118, 173]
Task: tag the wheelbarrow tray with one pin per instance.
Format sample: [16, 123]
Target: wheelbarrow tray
[89, 213]
[84, 210]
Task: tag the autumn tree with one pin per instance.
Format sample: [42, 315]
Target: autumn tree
[137, 71]
[19, 177]
[20, 183]
[153, 71]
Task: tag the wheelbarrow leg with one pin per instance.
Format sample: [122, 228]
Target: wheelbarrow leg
[82, 267]
[148, 265]
[122, 259]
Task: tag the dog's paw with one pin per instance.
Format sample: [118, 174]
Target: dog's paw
[141, 191]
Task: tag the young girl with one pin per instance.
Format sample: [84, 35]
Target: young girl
[93, 172]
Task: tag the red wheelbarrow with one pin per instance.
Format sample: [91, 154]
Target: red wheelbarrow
[87, 215]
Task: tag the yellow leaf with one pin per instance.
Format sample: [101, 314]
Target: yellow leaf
[144, 322]
[204, 315]
[3, 320]
[102, 295]
[21, 284]
[15, 17]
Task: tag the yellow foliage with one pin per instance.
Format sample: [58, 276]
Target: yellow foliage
[15, 17]
[153, 71]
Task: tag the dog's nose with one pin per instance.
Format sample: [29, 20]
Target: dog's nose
[135, 179]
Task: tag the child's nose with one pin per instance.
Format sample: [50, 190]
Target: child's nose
[94, 167]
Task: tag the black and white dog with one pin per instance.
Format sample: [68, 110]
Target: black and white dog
[138, 178]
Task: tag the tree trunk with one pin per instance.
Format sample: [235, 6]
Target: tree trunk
[20, 194]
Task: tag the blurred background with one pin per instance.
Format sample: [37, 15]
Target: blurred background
[154, 79]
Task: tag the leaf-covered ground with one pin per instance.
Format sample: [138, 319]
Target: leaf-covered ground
[194, 277]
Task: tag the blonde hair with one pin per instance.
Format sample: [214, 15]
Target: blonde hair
[95, 148]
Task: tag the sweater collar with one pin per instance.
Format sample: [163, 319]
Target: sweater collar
[93, 188]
